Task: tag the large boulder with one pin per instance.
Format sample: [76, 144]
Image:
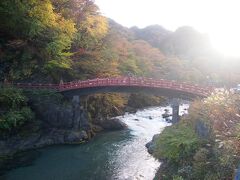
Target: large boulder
[202, 129]
[76, 137]
[112, 124]
[56, 113]
[151, 145]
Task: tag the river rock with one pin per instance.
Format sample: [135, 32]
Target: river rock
[202, 129]
[113, 124]
[130, 109]
[151, 145]
[96, 128]
[168, 120]
[76, 137]
[48, 137]
[166, 115]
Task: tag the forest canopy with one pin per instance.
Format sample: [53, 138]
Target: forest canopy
[49, 40]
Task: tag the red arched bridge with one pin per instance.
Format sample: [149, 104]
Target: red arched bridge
[125, 84]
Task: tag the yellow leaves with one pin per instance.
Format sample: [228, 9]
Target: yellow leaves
[66, 26]
[65, 30]
[92, 29]
[117, 100]
[44, 16]
[43, 12]
[54, 63]
[57, 31]
[221, 98]
[96, 26]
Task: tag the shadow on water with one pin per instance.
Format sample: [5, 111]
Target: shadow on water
[83, 161]
[21, 159]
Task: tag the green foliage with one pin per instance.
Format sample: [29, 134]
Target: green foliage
[106, 105]
[70, 39]
[91, 26]
[14, 119]
[48, 37]
[177, 178]
[140, 100]
[11, 98]
[44, 96]
[177, 143]
[130, 66]
[91, 30]
[17, 62]
[14, 112]
[200, 165]
[41, 35]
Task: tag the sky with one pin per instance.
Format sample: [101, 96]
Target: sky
[220, 19]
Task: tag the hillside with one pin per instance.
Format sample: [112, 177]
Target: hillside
[154, 34]
[56, 41]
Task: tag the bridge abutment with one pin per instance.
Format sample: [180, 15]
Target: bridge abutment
[79, 115]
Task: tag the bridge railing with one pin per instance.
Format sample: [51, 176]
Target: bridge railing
[33, 86]
[120, 81]
[143, 82]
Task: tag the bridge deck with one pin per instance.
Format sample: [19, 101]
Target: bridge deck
[121, 81]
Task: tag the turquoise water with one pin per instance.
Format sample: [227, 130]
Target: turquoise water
[73, 162]
[114, 155]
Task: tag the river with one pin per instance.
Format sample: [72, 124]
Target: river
[119, 155]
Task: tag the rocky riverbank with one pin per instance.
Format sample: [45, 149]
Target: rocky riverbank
[60, 124]
[151, 148]
[51, 137]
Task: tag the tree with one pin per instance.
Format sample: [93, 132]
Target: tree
[44, 35]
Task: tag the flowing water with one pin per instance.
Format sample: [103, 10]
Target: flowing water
[119, 155]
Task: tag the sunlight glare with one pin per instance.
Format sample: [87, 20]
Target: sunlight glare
[217, 18]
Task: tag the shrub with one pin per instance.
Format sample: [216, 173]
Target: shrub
[177, 178]
[11, 98]
[14, 112]
[15, 119]
[177, 143]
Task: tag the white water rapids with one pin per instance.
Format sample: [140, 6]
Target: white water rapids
[132, 161]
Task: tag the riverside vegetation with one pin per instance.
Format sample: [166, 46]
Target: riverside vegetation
[205, 143]
[51, 40]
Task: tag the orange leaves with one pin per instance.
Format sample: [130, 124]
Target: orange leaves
[221, 111]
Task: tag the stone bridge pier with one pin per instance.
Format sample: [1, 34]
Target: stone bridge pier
[175, 110]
